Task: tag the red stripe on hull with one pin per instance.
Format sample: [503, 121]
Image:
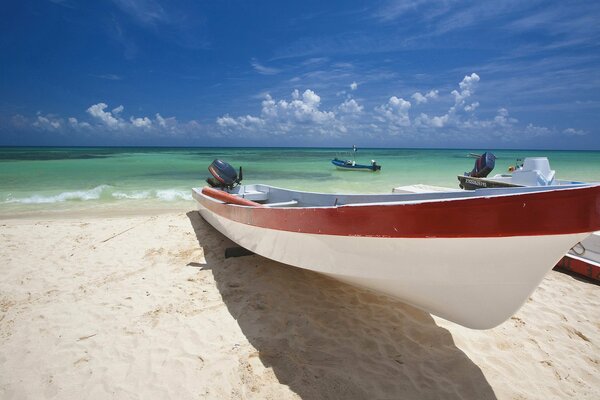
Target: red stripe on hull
[565, 211]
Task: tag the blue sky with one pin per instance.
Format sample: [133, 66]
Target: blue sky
[476, 74]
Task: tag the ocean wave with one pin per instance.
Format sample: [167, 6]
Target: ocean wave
[132, 195]
[173, 194]
[106, 193]
[162, 195]
[78, 195]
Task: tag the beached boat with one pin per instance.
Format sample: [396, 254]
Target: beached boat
[352, 165]
[583, 259]
[535, 171]
[472, 257]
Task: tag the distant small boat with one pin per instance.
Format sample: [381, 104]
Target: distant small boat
[351, 165]
[472, 257]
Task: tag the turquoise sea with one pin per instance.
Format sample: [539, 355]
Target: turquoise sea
[97, 179]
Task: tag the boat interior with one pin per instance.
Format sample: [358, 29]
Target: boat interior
[271, 196]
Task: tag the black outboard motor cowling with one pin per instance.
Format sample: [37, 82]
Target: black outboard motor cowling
[224, 175]
[483, 165]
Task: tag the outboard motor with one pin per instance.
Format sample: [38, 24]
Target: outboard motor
[224, 175]
[484, 164]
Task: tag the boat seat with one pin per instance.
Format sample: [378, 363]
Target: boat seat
[290, 203]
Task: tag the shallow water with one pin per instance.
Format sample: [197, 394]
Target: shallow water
[63, 179]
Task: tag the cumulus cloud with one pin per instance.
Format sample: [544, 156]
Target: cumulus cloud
[47, 122]
[306, 114]
[169, 124]
[419, 98]
[350, 106]
[503, 119]
[423, 98]
[106, 117]
[300, 115]
[434, 122]
[451, 117]
[75, 124]
[143, 122]
[467, 88]
[101, 119]
[471, 107]
[395, 111]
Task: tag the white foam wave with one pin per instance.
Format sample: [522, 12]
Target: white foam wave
[104, 192]
[132, 196]
[173, 194]
[162, 195]
[78, 195]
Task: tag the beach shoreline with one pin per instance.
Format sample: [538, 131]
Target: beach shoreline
[143, 304]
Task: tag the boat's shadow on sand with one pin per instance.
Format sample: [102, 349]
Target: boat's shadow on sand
[326, 339]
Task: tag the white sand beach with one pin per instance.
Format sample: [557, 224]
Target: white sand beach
[147, 307]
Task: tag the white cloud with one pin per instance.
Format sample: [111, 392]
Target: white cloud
[169, 124]
[420, 98]
[106, 117]
[247, 122]
[395, 111]
[143, 122]
[299, 116]
[102, 119]
[350, 106]
[147, 12]
[75, 124]
[503, 119]
[48, 122]
[471, 107]
[261, 69]
[535, 131]
[302, 108]
[432, 94]
[354, 86]
[574, 132]
[434, 122]
[305, 115]
[467, 88]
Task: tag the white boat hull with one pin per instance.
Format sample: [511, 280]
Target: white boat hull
[476, 282]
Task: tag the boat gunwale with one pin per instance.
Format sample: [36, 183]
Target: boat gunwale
[533, 213]
[465, 195]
